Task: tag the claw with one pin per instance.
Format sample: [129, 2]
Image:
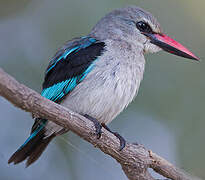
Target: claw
[122, 140]
[97, 125]
[98, 131]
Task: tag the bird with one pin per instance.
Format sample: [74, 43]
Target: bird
[99, 74]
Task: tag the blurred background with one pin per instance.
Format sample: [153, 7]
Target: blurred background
[168, 115]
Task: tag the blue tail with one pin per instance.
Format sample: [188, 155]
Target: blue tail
[34, 146]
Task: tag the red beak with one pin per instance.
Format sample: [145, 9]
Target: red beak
[170, 45]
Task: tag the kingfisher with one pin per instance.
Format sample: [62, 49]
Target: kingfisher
[98, 75]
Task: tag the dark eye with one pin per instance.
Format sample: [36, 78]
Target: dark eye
[143, 27]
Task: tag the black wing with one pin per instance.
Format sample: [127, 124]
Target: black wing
[70, 66]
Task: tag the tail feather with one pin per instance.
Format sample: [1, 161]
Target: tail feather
[36, 153]
[33, 146]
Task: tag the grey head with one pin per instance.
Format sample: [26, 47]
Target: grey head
[137, 26]
[122, 24]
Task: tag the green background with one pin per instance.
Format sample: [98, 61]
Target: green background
[168, 115]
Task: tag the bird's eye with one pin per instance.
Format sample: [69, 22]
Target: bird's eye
[143, 27]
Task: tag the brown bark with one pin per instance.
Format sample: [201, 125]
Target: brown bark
[134, 159]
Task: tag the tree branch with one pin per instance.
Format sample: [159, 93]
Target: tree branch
[134, 159]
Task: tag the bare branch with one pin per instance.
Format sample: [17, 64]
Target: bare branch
[134, 159]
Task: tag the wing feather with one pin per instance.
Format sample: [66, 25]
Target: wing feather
[70, 66]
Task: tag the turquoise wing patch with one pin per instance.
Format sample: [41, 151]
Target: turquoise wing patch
[70, 66]
[59, 90]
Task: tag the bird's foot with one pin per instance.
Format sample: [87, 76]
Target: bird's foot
[98, 128]
[97, 125]
[122, 140]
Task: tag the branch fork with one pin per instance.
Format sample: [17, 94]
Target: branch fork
[135, 159]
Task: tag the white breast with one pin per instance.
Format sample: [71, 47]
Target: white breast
[111, 85]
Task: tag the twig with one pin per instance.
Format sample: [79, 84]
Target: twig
[134, 159]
